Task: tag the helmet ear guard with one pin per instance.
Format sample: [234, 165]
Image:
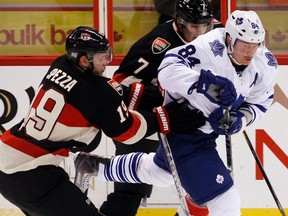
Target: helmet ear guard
[180, 22]
[74, 56]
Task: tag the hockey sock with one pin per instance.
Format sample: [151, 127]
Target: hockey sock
[121, 168]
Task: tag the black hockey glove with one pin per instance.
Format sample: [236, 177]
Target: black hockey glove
[144, 97]
[217, 89]
[179, 118]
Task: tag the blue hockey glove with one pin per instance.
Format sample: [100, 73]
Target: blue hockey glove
[237, 121]
[217, 89]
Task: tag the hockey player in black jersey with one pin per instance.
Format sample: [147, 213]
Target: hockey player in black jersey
[74, 103]
[138, 71]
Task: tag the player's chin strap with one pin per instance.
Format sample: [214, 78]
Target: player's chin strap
[233, 59]
[230, 51]
[179, 25]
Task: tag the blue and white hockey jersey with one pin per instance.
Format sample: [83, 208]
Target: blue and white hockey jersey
[181, 67]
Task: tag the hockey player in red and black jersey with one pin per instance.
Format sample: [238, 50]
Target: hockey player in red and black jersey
[138, 71]
[74, 104]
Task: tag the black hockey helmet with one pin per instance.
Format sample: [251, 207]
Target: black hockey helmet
[85, 41]
[194, 11]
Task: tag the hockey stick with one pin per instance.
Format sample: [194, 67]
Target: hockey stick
[228, 142]
[172, 165]
[263, 173]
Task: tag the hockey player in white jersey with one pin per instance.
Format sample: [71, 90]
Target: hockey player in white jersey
[202, 72]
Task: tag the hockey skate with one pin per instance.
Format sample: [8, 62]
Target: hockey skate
[87, 166]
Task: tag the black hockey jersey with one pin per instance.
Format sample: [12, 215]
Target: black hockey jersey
[69, 110]
[144, 57]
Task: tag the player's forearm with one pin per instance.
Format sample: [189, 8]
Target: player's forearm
[177, 78]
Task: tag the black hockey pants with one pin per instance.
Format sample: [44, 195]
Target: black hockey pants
[45, 191]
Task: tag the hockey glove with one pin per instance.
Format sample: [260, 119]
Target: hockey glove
[237, 121]
[179, 118]
[144, 97]
[217, 89]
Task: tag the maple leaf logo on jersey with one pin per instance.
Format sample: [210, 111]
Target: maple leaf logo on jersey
[116, 86]
[271, 59]
[159, 45]
[220, 179]
[217, 47]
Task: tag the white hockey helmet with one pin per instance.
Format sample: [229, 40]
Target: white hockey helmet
[246, 26]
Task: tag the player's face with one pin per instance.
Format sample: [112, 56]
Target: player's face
[191, 31]
[100, 61]
[243, 52]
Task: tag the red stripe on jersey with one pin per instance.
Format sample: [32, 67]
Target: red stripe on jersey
[119, 77]
[70, 116]
[131, 132]
[38, 98]
[27, 147]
